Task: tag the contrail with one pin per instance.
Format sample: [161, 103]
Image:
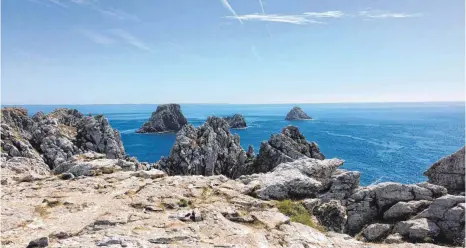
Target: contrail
[262, 7]
[228, 6]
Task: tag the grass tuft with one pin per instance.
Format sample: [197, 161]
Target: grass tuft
[298, 213]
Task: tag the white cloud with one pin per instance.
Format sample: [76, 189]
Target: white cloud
[327, 14]
[228, 6]
[130, 39]
[291, 19]
[59, 3]
[96, 37]
[118, 14]
[384, 15]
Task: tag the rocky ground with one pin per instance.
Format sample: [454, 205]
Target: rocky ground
[66, 182]
[144, 209]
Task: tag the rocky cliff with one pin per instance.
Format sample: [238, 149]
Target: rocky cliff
[449, 172]
[167, 118]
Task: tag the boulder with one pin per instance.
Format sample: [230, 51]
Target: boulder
[405, 210]
[207, 150]
[449, 172]
[287, 146]
[376, 232]
[296, 113]
[311, 204]
[343, 184]
[298, 179]
[448, 213]
[236, 121]
[167, 118]
[332, 215]
[418, 229]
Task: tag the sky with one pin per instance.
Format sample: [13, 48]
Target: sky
[231, 51]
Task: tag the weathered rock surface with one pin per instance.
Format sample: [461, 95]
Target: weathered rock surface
[287, 146]
[207, 150]
[368, 203]
[121, 210]
[21, 169]
[167, 118]
[376, 232]
[332, 215]
[418, 229]
[405, 210]
[236, 121]
[302, 178]
[449, 172]
[296, 113]
[447, 212]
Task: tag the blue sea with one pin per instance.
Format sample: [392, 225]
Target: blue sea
[384, 141]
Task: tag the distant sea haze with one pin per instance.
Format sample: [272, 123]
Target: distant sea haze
[384, 141]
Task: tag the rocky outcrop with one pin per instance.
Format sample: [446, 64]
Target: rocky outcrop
[405, 210]
[303, 178]
[236, 121]
[21, 169]
[167, 118]
[96, 134]
[287, 146]
[56, 137]
[418, 229]
[296, 113]
[449, 172]
[207, 150]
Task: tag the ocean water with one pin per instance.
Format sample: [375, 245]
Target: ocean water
[384, 141]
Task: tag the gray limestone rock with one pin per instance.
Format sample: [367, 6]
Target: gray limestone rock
[449, 172]
[376, 232]
[207, 150]
[287, 146]
[167, 118]
[405, 210]
[418, 229]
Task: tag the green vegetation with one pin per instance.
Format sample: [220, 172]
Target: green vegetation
[298, 213]
[98, 116]
[183, 203]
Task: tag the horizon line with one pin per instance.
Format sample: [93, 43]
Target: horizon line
[225, 103]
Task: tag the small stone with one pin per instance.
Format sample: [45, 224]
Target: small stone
[376, 232]
[66, 176]
[196, 215]
[394, 239]
[41, 242]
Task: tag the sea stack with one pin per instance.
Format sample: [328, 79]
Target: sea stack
[167, 118]
[297, 114]
[236, 121]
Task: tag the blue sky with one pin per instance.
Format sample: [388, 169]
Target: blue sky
[231, 51]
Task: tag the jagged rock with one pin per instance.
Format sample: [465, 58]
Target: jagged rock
[296, 113]
[96, 134]
[250, 153]
[448, 213]
[437, 190]
[369, 202]
[167, 118]
[287, 146]
[236, 121]
[376, 232]
[68, 117]
[298, 179]
[332, 215]
[343, 184]
[449, 172]
[405, 210]
[207, 150]
[418, 229]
